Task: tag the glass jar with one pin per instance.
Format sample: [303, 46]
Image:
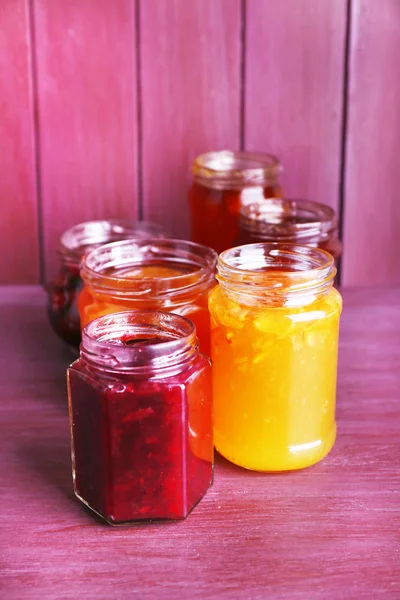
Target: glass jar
[62, 293]
[290, 221]
[274, 345]
[222, 183]
[171, 275]
[141, 417]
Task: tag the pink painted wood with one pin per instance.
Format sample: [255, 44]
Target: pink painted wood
[293, 94]
[372, 207]
[330, 531]
[190, 70]
[19, 258]
[87, 113]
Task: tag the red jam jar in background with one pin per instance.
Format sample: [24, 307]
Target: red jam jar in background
[223, 182]
[159, 274]
[62, 293]
[140, 410]
[290, 221]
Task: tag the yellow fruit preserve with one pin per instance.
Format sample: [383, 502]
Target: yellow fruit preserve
[274, 345]
[159, 274]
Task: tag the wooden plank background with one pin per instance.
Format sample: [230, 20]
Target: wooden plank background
[103, 106]
[294, 90]
[87, 130]
[190, 81]
[372, 206]
[19, 258]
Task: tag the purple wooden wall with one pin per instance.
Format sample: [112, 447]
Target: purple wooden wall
[103, 105]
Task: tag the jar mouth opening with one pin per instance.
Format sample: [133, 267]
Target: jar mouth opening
[84, 236]
[266, 271]
[139, 339]
[288, 218]
[226, 169]
[148, 267]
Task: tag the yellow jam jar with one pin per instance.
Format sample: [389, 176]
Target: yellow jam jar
[274, 345]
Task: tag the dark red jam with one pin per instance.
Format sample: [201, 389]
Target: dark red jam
[142, 447]
[62, 306]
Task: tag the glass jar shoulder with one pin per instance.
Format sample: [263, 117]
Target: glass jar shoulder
[103, 380]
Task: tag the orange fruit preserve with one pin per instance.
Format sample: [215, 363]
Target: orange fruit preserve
[274, 374]
[139, 279]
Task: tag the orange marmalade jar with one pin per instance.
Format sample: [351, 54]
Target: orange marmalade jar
[290, 221]
[158, 274]
[223, 182]
[274, 346]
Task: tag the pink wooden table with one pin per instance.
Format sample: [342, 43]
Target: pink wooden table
[331, 531]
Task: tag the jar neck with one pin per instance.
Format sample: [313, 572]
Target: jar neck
[227, 170]
[140, 343]
[275, 275]
[165, 271]
[79, 239]
[291, 221]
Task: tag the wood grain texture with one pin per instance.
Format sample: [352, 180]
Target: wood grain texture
[293, 94]
[372, 207]
[19, 259]
[330, 531]
[87, 113]
[190, 80]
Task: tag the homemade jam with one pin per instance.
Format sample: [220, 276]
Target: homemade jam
[223, 182]
[274, 345]
[62, 293]
[171, 275]
[290, 221]
[141, 417]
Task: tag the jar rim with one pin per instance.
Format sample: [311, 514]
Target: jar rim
[96, 266]
[270, 218]
[276, 272]
[76, 240]
[138, 340]
[226, 169]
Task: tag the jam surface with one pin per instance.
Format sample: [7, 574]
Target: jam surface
[141, 449]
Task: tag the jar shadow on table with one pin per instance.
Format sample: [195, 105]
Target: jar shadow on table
[42, 360]
[48, 459]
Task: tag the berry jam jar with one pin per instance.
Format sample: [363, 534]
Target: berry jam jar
[141, 417]
[62, 293]
[290, 221]
[222, 183]
[161, 274]
[274, 346]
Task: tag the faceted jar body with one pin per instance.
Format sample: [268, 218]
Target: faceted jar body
[63, 292]
[142, 446]
[291, 222]
[222, 183]
[171, 275]
[274, 377]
